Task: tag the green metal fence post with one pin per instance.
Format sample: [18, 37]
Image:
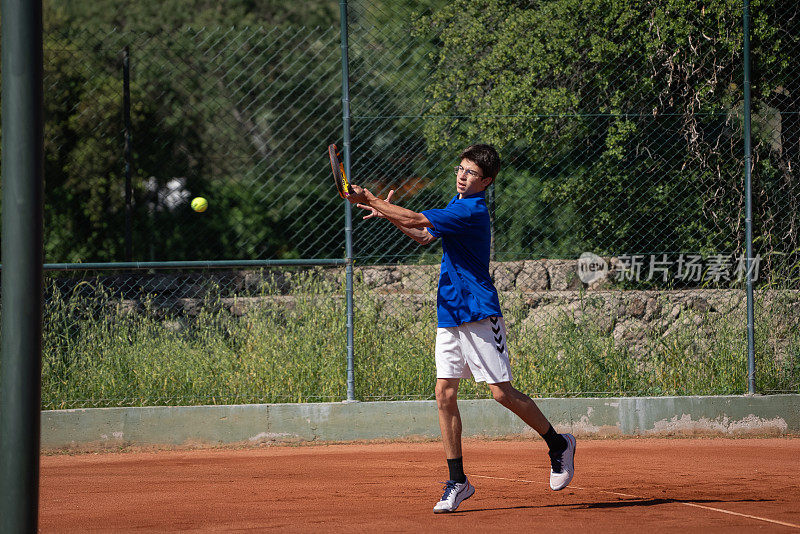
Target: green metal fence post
[22, 173]
[348, 214]
[126, 115]
[748, 220]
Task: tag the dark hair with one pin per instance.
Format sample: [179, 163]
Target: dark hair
[485, 156]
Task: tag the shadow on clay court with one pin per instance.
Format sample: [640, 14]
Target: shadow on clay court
[656, 502]
[614, 504]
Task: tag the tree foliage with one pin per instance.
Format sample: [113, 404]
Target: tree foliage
[627, 113]
[619, 122]
[228, 100]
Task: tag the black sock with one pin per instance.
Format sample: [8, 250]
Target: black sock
[456, 466]
[555, 441]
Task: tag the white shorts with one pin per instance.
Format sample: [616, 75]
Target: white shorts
[476, 349]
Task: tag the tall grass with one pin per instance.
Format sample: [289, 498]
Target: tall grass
[96, 353]
[292, 348]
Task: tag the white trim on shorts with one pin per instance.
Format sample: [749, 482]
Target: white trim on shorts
[476, 349]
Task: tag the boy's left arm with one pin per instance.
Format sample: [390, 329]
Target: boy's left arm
[397, 215]
[409, 222]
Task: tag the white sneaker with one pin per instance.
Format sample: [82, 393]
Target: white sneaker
[454, 494]
[562, 466]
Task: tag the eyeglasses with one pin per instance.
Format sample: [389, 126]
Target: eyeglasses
[469, 172]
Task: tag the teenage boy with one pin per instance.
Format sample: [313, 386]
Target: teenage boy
[471, 333]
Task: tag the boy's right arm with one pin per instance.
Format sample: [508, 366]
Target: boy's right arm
[420, 235]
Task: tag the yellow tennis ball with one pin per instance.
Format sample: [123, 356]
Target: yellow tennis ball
[199, 204]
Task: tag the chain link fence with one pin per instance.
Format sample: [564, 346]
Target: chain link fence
[620, 126]
[622, 145]
[237, 116]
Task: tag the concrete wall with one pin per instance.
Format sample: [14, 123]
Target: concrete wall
[98, 428]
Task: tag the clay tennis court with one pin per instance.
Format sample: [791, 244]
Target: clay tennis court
[659, 485]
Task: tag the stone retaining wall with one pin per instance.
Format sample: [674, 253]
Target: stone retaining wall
[534, 293]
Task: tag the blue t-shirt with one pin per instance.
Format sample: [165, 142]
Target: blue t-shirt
[466, 292]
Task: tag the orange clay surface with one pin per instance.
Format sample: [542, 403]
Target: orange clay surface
[629, 485]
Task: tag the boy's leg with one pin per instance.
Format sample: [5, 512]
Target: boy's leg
[458, 488]
[562, 446]
[521, 404]
[449, 416]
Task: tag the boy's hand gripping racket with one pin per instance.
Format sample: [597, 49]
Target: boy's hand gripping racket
[342, 186]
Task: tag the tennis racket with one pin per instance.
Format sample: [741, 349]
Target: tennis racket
[342, 185]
